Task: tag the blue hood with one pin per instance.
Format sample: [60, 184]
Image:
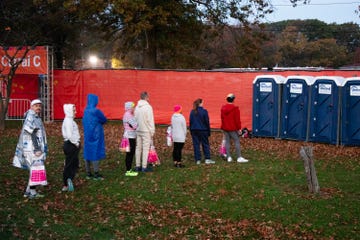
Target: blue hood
[92, 100]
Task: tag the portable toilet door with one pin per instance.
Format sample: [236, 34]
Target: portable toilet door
[295, 107]
[350, 120]
[266, 105]
[325, 110]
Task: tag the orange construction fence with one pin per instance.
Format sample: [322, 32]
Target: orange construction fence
[166, 88]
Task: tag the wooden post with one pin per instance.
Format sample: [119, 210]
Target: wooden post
[307, 155]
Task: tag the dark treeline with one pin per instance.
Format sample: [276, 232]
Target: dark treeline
[176, 34]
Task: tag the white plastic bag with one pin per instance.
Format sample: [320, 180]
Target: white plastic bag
[37, 174]
[169, 136]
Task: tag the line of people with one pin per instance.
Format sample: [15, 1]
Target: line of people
[139, 128]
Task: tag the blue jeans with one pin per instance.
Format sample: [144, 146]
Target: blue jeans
[200, 137]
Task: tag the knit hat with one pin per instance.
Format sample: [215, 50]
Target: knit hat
[177, 108]
[35, 101]
[129, 105]
[230, 97]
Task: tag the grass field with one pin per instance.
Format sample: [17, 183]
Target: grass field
[266, 198]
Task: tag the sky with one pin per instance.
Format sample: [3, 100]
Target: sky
[328, 11]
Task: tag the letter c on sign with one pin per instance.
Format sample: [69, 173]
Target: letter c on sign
[37, 61]
[5, 61]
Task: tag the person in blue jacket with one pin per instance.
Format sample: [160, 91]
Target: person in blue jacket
[200, 131]
[94, 140]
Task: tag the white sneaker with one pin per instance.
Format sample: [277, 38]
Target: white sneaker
[209, 161]
[198, 162]
[229, 159]
[27, 194]
[242, 160]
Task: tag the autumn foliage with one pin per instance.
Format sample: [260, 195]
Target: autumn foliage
[109, 207]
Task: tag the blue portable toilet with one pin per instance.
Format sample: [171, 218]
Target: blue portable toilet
[266, 105]
[295, 107]
[350, 112]
[324, 124]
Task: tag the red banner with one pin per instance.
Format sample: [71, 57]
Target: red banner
[35, 61]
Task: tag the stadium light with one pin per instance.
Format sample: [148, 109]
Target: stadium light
[93, 60]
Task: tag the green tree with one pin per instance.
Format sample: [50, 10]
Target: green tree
[38, 23]
[313, 33]
[270, 54]
[292, 45]
[348, 35]
[158, 33]
[25, 24]
[164, 30]
[325, 53]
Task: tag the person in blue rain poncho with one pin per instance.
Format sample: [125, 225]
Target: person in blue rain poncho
[94, 140]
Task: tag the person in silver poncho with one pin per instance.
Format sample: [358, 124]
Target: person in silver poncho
[31, 149]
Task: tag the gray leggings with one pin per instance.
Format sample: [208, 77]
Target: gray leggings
[95, 166]
[232, 135]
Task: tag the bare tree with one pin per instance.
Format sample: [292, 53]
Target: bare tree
[7, 73]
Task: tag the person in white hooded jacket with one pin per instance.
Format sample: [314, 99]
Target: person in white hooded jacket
[145, 131]
[71, 147]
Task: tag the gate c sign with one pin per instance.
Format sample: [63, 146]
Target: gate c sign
[35, 61]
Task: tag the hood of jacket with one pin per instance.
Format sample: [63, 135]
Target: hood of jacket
[228, 108]
[177, 115]
[69, 110]
[92, 100]
[142, 103]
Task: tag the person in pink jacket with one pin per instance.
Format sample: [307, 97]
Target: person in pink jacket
[130, 125]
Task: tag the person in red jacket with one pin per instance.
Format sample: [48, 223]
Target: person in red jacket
[231, 126]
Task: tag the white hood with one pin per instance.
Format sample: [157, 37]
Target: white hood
[69, 110]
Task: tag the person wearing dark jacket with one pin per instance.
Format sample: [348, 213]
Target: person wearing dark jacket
[231, 126]
[200, 131]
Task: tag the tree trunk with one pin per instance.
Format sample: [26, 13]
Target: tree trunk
[307, 155]
[150, 50]
[5, 99]
[59, 59]
[2, 114]
[149, 58]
